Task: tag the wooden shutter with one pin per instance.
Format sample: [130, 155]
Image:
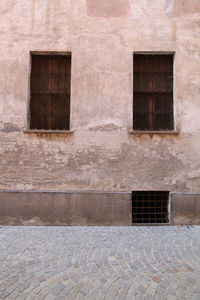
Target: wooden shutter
[153, 92]
[50, 92]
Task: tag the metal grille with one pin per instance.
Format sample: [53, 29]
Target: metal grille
[153, 92]
[150, 207]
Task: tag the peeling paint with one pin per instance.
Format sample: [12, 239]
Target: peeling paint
[9, 127]
[169, 7]
[182, 7]
[107, 127]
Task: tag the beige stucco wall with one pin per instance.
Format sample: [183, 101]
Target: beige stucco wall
[100, 154]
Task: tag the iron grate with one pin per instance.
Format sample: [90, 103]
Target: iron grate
[150, 207]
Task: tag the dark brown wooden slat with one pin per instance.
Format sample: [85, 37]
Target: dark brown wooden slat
[50, 92]
[40, 103]
[153, 84]
[40, 83]
[160, 121]
[41, 64]
[141, 121]
[60, 83]
[61, 70]
[141, 103]
[60, 111]
[39, 111]
[40, 75]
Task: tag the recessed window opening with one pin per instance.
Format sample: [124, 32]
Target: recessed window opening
[150, 207]
[50, 92]
[153, 92]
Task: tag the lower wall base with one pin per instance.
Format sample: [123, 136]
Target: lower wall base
[65, 208]
[185, 209]
[86, 208]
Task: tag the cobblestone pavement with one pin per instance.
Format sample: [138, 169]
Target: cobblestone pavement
[100, 263]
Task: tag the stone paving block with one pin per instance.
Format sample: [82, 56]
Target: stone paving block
[149, 297]
[37, 290]
[67, 289]
[22, 296]
[171, 297]
[59, 288]
[180, 292]
[170, 292]
[129, 297]
[139, 296]
[4, 295]
[50, 297]
[150, 291]
[160, 297]
[99, 263]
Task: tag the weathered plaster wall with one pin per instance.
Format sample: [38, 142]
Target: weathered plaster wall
[100, 154]
[183, 7]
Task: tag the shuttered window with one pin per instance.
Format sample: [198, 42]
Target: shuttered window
[153, 92]
[50, 92]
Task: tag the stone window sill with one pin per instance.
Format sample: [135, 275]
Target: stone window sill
[48, 131]
[151, 132]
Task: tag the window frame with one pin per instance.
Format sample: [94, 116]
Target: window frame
[152, 131]
[57, 131]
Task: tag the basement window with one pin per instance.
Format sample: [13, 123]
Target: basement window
[150, 207]
[50, 92]
[153, 92]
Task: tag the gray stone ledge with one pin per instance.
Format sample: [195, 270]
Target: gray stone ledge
[48, 131]
[171, 132]
[66, 192]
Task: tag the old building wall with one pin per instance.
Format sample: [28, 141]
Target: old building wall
[100, 154]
